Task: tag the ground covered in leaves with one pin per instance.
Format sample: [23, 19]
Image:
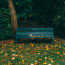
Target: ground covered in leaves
[32, 53]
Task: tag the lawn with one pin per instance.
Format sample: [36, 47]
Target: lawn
[32, 53]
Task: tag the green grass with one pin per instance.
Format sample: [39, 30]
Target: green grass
[31, 53]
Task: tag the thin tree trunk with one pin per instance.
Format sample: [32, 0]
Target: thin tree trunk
[13, 15]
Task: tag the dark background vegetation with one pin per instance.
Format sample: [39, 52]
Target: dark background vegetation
[33, 13]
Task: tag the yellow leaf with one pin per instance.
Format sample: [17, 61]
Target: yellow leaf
[9, 63]
[22, 61]
[45, 62]
[47, 48]
[21, 56]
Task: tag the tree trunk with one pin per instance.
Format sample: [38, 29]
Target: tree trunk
[13, 15]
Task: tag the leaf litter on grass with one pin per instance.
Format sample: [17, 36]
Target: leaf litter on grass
[32, 53]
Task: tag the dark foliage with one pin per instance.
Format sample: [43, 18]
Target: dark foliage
[33, 13]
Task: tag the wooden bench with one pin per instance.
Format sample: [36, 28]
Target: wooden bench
[29, 33]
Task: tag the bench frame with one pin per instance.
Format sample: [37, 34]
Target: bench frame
[33, 37]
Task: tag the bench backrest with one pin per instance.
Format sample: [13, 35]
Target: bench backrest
[34, 30]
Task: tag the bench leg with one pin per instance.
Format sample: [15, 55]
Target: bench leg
[17, 40]
[52, 41]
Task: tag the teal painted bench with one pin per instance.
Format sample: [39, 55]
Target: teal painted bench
[29, 33]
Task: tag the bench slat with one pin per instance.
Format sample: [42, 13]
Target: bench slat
[33, 29]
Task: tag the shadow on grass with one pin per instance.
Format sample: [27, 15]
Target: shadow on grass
[34, 40]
